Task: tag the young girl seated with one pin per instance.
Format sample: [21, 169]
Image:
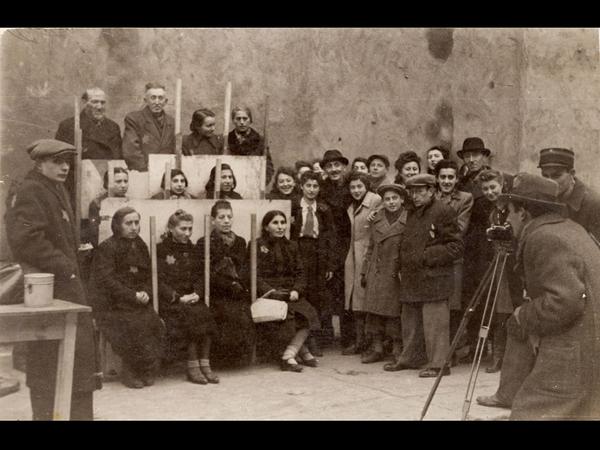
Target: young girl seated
[178, 188]
[202, 140]
[228, 184]
[284, 185]
[279, 268]
[120, 290]
[229, 296]
[188, 319]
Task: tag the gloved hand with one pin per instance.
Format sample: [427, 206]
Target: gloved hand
[363, 281]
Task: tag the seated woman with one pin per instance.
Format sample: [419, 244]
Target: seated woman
[188, 319]
[228, 184]
[407, 165]
[118, 189]
[120, 288]
[434, 155]
[284, 186]
[178, 190]
[279, 268]
[229, 297]
[202, 140]
[245, 140]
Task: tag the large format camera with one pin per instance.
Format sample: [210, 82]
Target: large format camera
[499, 233]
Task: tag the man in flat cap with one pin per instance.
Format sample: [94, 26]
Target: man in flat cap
[583, 204]
[427, 252]
[40, 226]
[334, 191]
[555, 331]
[150, 130]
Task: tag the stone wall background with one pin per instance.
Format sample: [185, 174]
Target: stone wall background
[363, 91]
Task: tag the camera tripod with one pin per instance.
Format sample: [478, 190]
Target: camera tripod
[491, 280]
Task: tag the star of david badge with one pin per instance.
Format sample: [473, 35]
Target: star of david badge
[65, 215]
[170, 259]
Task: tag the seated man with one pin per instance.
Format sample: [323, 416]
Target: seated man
[150, 130]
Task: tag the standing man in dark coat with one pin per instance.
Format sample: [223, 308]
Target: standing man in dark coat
[101, 137]
[335, 192]
[478, 253]
[428, 250]
[150, 130]
[40, 226]
[556, 329]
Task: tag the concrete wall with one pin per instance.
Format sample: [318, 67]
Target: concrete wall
[360, 90]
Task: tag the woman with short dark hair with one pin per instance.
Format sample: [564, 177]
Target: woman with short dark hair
[202, 140]
[408, 165]
[178, 187]
[284, 185]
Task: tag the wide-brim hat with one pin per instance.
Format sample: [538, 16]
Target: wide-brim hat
[555, 156]
[43, 148]
[534, 189]
[421, 179]
[333, 155]
[392, 187]
[473, 144]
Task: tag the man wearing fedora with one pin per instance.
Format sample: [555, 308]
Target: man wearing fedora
[427, 252]
[40, 226]
[583, 204]
[478, 253]
[335, 192]
[555, 333]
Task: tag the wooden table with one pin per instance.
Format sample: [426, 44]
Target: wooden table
[19, 323]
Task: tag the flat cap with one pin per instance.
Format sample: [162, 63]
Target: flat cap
[391, 187]
[43, 148]
[557, 157]
[422, 179]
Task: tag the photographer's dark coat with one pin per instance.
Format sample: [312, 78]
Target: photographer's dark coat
[428, 250]
[560, 264]
[40, 227]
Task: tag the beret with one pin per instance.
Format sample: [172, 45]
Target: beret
[49, 147]
[422, 179]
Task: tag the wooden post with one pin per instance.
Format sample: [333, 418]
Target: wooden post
[253, 264]
[77, 168]
[154, 263]
[178, 136]
[218, 179]
[263, 177]
[110, 170]
[265, 126]
[263, 173]
[207, 224]
[227, 118]
[167, 192]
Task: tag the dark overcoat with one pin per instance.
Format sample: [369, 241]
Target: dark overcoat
[142, 137]
[561, 265]
[428, 250]
[253, 145]
[100, 140]
[583, 206]
[317, 259]
[381, 266]
[195, 144]
[40, 227]
[180, 273]
[120, 268]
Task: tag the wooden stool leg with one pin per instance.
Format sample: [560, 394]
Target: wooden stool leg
[64, 372]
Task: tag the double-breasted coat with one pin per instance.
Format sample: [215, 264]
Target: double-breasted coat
[381, 266]
[561, 268]
[40, 227]
[142, 136]
[359, 242]
[99, 139]
[428, 250]
[318, 255]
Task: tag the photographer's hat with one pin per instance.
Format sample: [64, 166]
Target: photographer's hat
[555, 156]
[534, 189]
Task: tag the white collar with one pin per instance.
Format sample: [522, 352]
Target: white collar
[304, 204]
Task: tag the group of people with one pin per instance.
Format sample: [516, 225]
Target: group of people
[397, 257]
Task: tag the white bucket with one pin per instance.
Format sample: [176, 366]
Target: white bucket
[39, 289]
